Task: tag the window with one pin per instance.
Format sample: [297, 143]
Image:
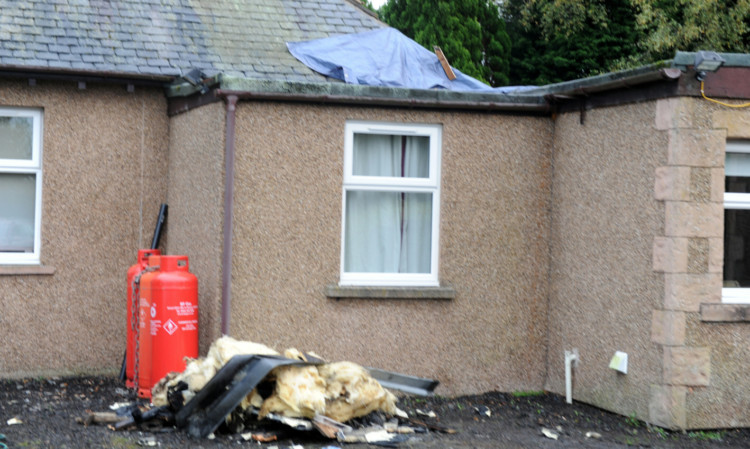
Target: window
[737, 223]
[391, 205]
[20, 185]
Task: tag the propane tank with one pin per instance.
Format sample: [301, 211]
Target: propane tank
[132, 309]
[170, 333]
[143, 337]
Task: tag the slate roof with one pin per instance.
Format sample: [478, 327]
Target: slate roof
[243, 38]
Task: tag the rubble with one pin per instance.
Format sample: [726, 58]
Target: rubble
[241, 385]
[340, 391]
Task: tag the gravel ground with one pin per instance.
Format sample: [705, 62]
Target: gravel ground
[47, 410]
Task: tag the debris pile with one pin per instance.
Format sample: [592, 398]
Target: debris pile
[240, 386]
[340, 391]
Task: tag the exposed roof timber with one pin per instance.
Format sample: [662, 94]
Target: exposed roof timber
[39, 73]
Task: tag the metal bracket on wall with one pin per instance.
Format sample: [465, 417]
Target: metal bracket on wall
[582, 111]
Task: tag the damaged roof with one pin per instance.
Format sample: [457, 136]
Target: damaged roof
[171, 37]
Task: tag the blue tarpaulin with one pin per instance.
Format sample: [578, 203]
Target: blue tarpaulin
[383, 57]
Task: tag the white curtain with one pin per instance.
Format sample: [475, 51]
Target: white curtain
[388, 231]
[17, 199]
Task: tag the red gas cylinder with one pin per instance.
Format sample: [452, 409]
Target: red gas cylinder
[171, 297]
[143, 336]
[133, 271]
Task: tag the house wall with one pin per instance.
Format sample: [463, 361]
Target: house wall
[493, 247]
[603, 289]
[636, 263]
[706, 351]
[104, 155]
[196, 206]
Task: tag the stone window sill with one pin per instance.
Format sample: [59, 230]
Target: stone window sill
[22, 270]
[725, 313]
[359, 292]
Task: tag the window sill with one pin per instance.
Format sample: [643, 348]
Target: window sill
[21, 270]
[361, 292]
[725, 313]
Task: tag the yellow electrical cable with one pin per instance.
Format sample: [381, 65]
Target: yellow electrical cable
[744, 105]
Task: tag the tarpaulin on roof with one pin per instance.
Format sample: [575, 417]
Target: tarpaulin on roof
[383, 57]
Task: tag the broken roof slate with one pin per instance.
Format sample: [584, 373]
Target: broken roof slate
[171, 37]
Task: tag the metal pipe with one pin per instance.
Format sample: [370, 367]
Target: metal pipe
[159, 226]
[226, 260]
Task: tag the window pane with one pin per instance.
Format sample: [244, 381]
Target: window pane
[387, 232]
[17, 197]
[736, 248]
[393, 156]
[15, 137]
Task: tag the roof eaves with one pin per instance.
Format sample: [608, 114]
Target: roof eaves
[20, 71]
[685, 59]
[379, 96]
[609, 81]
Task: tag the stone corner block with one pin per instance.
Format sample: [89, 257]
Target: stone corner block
[670, 254]
[674, 113]
[735, 122]
[683, 219]
[666, 406]
[697, 147]
[717, 185]
[672, 183]
[687, 366]
[716, 255]
[668, 327]
[686, 292]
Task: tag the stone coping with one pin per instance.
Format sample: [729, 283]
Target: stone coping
[16, 270]
[725, 313]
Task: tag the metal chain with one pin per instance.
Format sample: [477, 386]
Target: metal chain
[136, 318]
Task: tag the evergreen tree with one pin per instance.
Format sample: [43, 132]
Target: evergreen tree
[691, 25]
[557, 40]
[471, 33]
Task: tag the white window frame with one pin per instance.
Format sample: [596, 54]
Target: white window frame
[393, 184]
[733, 200]
[27, 166]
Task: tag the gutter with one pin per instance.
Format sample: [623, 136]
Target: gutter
[99, 76]
[607, 82]
[387, 101]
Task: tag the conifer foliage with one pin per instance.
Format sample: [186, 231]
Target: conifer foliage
[471, 33]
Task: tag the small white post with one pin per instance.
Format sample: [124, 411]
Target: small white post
[571, 359]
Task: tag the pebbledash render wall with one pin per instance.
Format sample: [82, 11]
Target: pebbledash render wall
[196, 209]
[636, 263]
[104, 155]
[603, 289]
[495, 187]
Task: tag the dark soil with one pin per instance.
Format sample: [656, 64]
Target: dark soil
[48, 408]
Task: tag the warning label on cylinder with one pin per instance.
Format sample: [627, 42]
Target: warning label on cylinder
[189, 325]
[170, 327]
[185, 308]
[155, 324]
